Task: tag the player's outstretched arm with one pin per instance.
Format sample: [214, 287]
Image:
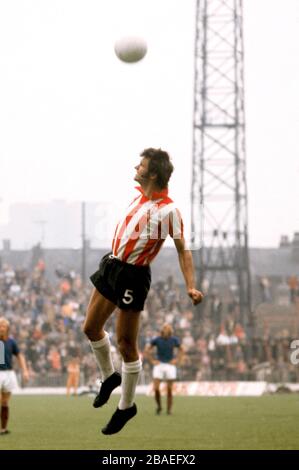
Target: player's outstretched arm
[178, 359]
[23, 366]
[187, 268]
[148, 354]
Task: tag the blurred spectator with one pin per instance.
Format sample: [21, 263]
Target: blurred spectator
[55, 359]
[46, 319]
[216, 310]
[73, 378]
[265, 289]
[293, 285]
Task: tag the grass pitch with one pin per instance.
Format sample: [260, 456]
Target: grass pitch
[57, 422]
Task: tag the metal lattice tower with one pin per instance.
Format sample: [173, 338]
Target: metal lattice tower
[219, 190]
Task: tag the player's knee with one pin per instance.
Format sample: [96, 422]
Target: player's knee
[86, 329]
[89, 331]
[128, 350]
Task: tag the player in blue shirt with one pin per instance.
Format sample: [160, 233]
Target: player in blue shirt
[8, 349]
[164, 364]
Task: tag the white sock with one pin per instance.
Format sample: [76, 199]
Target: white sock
[130, 376]
[102, 353]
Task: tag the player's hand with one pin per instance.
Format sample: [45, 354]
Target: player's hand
[173, 361]
[155, 362]
[195, 295]
[26, 376]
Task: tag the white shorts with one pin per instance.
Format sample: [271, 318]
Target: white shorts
[8, 381]
[164, 371]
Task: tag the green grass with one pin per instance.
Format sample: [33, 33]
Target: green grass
[54, 422]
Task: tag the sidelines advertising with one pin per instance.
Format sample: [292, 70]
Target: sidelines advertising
[214, 389]
[203, 389]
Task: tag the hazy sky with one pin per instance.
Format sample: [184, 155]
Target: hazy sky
[73, 118]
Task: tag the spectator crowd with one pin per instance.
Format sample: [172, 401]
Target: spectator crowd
[46, 320]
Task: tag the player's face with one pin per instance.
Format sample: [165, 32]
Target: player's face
[166, 330]
[3, 330]
[142, 173]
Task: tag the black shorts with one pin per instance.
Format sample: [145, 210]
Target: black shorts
[124, 284]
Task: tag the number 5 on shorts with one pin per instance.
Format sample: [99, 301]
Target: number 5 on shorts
[128, 297]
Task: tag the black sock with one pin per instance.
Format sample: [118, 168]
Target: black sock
[4, 416]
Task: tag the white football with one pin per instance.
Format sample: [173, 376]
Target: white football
[130, 49]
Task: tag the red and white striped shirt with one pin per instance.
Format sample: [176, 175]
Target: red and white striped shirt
[140, 235]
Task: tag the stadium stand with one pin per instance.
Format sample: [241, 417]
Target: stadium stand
[47, 314]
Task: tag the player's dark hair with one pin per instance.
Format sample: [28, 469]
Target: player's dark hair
[159, 165]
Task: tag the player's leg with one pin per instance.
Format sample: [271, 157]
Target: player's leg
[157, 383]
[169, 396]
[171, 374]
[98, 311]
[76, 383]
[68, 385]
[5, 396]
[127, 327]
[71, 384]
